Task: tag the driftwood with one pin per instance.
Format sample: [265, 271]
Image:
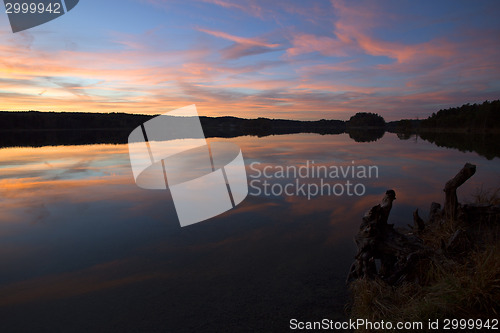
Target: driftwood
[435, 212]
[451, 202]
[418, 223]
[397, 252]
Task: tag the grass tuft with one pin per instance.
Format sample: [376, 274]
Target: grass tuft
[489, 196]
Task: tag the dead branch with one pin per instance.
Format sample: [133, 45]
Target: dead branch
[451, 200]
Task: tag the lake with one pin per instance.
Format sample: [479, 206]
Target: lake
[82, 248]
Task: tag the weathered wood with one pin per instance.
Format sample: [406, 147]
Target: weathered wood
[399, 252]
[386, 205]
[377, 239]
[435, 212]
[451, 200]
[418, 223]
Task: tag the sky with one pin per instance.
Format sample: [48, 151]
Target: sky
[287, 59]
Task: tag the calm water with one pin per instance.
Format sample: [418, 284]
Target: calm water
[83, 248]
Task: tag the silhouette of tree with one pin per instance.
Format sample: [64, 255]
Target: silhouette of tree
[475, 117]
[366, 119]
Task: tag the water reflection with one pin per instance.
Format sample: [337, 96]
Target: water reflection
[485, 144]
[366, 135]
[83, 248]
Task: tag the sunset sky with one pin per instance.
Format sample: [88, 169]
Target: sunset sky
[277, 59]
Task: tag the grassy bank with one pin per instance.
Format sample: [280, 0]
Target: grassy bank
[464, 283]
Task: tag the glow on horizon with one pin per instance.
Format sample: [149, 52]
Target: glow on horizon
[279, 59]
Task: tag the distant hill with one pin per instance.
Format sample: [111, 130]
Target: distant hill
[35, 120]
[212, 126]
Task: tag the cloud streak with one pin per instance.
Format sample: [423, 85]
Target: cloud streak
[242, 46]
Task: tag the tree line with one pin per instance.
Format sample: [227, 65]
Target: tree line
[468, 117]
[472, 117]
